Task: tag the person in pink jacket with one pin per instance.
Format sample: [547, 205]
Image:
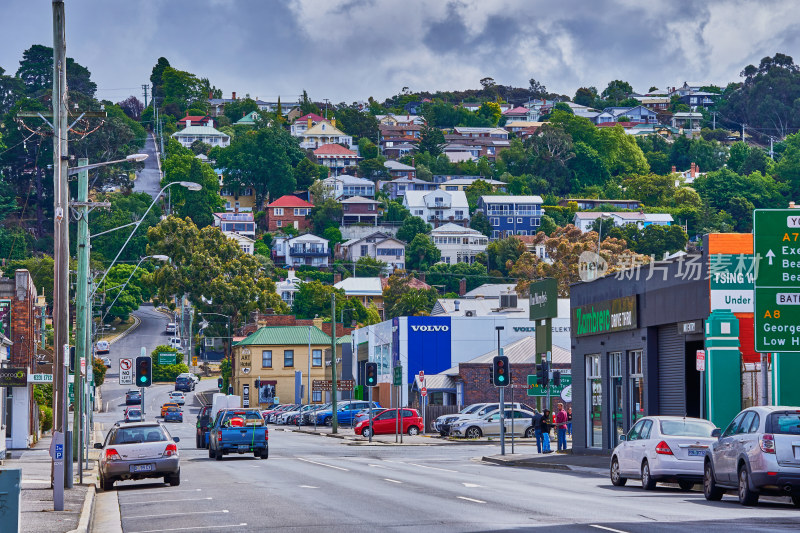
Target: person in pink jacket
[561, 427]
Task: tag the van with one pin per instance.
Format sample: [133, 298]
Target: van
[175, 342]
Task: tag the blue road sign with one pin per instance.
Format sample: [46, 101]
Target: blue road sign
[59, 451]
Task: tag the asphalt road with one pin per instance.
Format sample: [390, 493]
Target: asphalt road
[149, 179]
[313, 483]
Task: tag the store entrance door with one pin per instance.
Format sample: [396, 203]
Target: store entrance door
[692, 378]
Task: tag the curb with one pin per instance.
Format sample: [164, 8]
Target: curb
[526, 464]
[136, 322]
[87, 510]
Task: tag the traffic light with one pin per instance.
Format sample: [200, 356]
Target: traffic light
[371, 371]
[258, 384]
[500, 371]
[71, 359]
[556, 378]
[144, 371]
[230, 390]
[543, 374]
[219, 383]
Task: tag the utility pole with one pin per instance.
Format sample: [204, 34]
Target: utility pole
[743, 134]
[144, 88]
[81, 311]
[714, 120]
[334, 418]
[771, 152]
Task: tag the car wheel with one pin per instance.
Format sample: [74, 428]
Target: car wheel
[686, 485]
[529, 433]
[197, 441]
[616, 479]
[710, 489]
[327, 421]
[365, 432]
[173, 479]
[746, 495]
[211, 453]
[473, 433]
[218, 455]
[265, 453]
[648, 483]
[106, 484]
[796, 500]
[413, 430]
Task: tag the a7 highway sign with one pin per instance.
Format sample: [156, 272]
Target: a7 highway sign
[126, 371]
[776, 247]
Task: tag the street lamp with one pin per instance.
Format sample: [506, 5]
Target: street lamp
[133, 158]
[158, 257]
[602, 217]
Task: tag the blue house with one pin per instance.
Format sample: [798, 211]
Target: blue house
[512, 215]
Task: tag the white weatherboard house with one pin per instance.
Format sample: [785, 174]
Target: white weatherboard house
[204, 133]
[438, 207]
[459, 244]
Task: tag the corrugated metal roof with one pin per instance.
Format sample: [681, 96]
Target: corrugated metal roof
[345, 339]
[285, 335]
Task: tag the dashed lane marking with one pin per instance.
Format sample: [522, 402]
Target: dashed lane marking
[177, 514]
[433, 468]
[165, 501]
[322, 464]
[213, 528]
[607, 528]
[470, 499]
[308, 487]
[392, 480]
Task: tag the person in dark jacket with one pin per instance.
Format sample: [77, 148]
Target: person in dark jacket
[536, 422]
[546, 425]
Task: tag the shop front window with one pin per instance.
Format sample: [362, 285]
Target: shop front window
[636, 386]
[594, 400]
[617, 397]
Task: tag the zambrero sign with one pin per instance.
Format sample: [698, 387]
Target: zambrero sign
[605, 317]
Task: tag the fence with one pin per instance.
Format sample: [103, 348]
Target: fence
[432, 412]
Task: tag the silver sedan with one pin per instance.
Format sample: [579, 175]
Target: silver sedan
[490, 425]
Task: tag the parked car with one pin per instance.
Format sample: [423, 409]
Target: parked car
[758, 453]
[177, 397]
[184, 383]
[166, 406]
[662, 449]
[273, 415]
[240, 431]
[102, 347]
[283, 417]
[171, 328]
[133, 414]
[385, 422]
[173, 414]
[133, 397]
[473, 428]
[175, 342]
[345, 412]
[487, 408]
[106, 361]
[203, 422]
[138, 450]
[439, 422]
[310, 416]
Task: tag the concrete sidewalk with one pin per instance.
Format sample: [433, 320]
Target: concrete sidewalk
[37, 496]
[593, 464]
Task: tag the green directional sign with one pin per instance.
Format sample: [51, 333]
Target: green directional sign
[398, 376]
[534, 389]
[166, 358]
[776, 247]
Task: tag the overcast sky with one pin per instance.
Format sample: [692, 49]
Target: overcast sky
[348, 50]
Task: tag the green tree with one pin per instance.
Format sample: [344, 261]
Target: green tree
[411, 227]
[314, 299]
[167, 372]
[547, 225]
[333, 235]
[306, 173]
[36, 72]
[128, 297]
[325, 215]
[367, 149]
[650, 189]
[306, 105]
[400, 298]
[395, 212]
[481, 223]
[200, 205]
[431, 140]
[239, 108]
[367, 267]
[421, 253]
[504, 252]
[617, 91]
[585, 96]
[356, 123]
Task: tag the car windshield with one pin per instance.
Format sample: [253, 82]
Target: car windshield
[686, 428]
[137, 435]
[785, 423]
[469, 409]
[248, 418]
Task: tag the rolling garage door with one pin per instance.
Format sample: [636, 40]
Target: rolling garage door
[671, 371]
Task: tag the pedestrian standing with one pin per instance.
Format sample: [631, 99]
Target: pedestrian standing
[569, 421]
[561, 427]
[536, 422]
[546, 424]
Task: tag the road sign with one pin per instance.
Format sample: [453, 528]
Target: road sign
[398, 376]
[424, 391]
[534, 389]
[776, 246]
[40, 378]
[194, 360]
[700, 362]
[327, 384]
[59, 453]
[166, 358]
[126, 371]
[83, 366]
[245, 395]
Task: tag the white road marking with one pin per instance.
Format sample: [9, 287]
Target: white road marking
[392, 480]
[36, 481]
[322, 464]
[148, 493]
[470, 499]
[434, 468]
[308, 487]
[178, 514]
[471, 485]
[190, 528]
[607, 528]
[165, 501]
[376, 466]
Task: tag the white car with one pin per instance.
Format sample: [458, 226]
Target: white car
[663, 449]
[455, 419]
[490, 425]
[102, 347]
[439, 422]
[177, 397]
[175, 342]
[106, 361]
[172, 327]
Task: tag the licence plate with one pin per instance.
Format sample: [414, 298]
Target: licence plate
[696, 453]
[244, 448]
[141, 468]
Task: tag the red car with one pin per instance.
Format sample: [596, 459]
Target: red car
[385, 422]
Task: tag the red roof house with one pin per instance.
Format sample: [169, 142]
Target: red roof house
[288, 211]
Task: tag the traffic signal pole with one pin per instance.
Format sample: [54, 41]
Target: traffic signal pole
[502, 398]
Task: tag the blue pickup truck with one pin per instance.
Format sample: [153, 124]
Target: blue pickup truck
[238, 431]
[345, 413]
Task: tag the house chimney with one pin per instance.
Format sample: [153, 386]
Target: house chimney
[309, 123]
[333, 122]
[210, 95]
[462, 287]
[234, 95]
[457, 305]
[188, 122]
[693, 171]
[422, 277]
[337, 277]
[210, 123]
[674, 169]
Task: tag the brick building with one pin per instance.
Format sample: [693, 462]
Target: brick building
[288, 211]
[19, 317]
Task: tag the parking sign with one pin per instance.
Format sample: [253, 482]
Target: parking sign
[126, 371]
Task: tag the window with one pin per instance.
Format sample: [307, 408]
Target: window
[278, 211]
[519, 221]
[266, 359]
[495, 222]
[510, 220]
[288, 358]
[316, 396]
[459, 214]
[279, 223]
[364, 250]
[299, 212]
[636, 406]
[316, 357]
[617, 398]
[594, 400]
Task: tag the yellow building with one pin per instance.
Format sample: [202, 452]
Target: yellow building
[273, 355]
[237, 200]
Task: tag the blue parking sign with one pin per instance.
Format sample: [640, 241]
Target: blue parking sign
[59, 451]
